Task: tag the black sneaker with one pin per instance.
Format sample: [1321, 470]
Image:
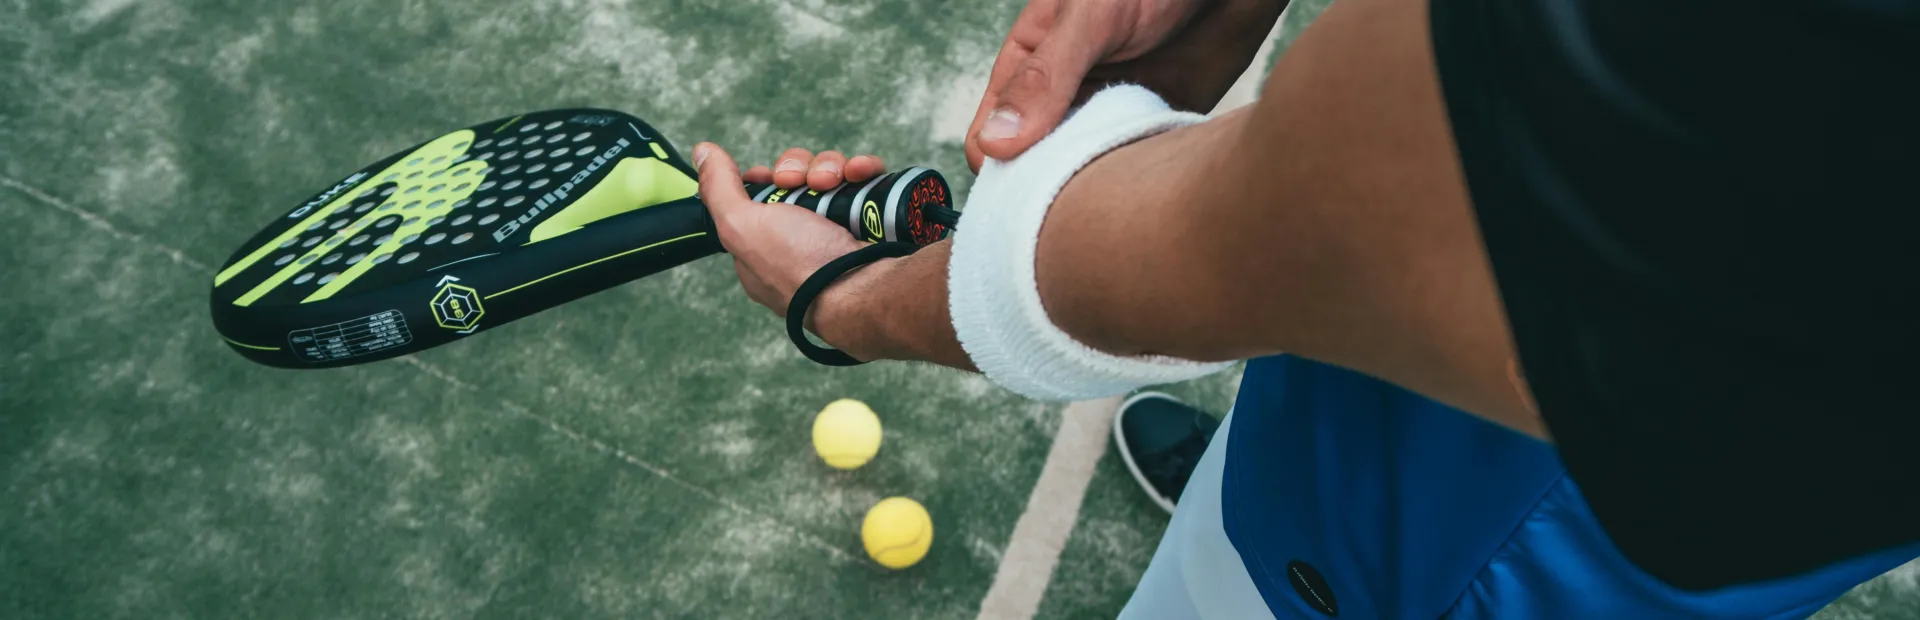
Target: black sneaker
[1161, 440]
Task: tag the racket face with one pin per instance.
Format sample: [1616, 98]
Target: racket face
[479, 226]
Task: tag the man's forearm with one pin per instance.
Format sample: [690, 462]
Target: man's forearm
[1327, 220]
[1102, 261]
[893, 309]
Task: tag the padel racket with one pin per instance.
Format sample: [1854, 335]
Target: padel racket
[498, 221]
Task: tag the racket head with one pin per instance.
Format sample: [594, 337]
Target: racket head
[475, 228]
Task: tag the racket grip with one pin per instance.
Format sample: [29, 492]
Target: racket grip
[913, 205]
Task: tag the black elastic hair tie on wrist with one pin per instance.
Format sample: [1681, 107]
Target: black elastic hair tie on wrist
[819, 281]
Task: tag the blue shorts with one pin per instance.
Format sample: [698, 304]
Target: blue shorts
[1329, 491]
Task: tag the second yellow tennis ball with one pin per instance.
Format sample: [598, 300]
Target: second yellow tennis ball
[897, 532]
[846, 433]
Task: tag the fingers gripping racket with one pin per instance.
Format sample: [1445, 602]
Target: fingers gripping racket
[498, 221]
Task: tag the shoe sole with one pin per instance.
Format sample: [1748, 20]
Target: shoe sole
[1119, 440]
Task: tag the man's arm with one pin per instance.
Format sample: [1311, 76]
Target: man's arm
[1329, 220]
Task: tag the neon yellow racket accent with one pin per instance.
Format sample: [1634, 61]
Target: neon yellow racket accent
[633, 184]
[427, 180]
[248, 346]
[596, 262]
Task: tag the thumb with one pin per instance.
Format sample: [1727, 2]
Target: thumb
[720, 185]
[1035, 98]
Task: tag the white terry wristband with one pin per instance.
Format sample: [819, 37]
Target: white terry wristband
[993, 295]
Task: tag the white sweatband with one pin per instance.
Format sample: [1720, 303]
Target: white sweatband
[994, 296]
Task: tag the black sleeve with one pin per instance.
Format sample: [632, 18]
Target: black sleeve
[1704, 218]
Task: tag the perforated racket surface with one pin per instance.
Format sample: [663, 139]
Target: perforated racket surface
[495, 222]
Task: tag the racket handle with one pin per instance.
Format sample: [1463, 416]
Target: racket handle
[912, 205]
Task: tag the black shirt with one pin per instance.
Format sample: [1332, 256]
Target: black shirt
[1704, 218]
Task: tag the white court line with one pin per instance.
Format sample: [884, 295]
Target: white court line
[1042, 531]
[433, 371]
[1026, 567]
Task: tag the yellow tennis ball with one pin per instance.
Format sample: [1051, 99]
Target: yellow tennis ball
[897, 532]
[846, 433]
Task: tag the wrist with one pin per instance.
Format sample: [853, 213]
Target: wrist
[844, 316]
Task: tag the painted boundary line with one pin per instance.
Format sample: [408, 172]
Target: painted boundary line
[1026, 567]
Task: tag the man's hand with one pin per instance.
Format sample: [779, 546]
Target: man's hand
[776, 247]
[1062, 51]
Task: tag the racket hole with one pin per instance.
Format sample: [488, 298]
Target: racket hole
[536, 168]
[435, 221]
[385, 222]
[483, 156]
[506, 142]
[311, 241]
[489, 220]
[416, 174]
[462, 172]
[462, 187]
[334, 241]
[460, 203]
[337, 224]
[458, 221]
[439, 160]
[556, 138]
[581, 136]
[284, 259]
[510, 169]
[413, 189]
[487, 185]
[537, 184]
[356, 258]
[363, 208]
[483, 143]
[359, 240]
[408, 258]
[392, 177]
[437, 174]
[383, 240]
[486, 202]
[558, 152]
[529, 127]
[552, 126]
[330, 259]
[389, 191]
[381, 258]
[389, 206]
[409, 239]
[515, 200]
[463, 144]
[563, 166]
[306, 260]
[583, 150]
[437, 188]
[509, 155]
[289, 243]
[436, 204]
[534, 153]
[511, 184]
[410, 222]
[436, 238]
[462, 238]
[328, 278]
[302, 278]
[316, 225]
[416, 161]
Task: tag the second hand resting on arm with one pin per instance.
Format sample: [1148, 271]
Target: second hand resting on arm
[1328, 220]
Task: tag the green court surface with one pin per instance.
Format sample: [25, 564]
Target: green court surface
[641, 453]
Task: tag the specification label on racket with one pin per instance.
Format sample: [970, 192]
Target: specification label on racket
[351, 338]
